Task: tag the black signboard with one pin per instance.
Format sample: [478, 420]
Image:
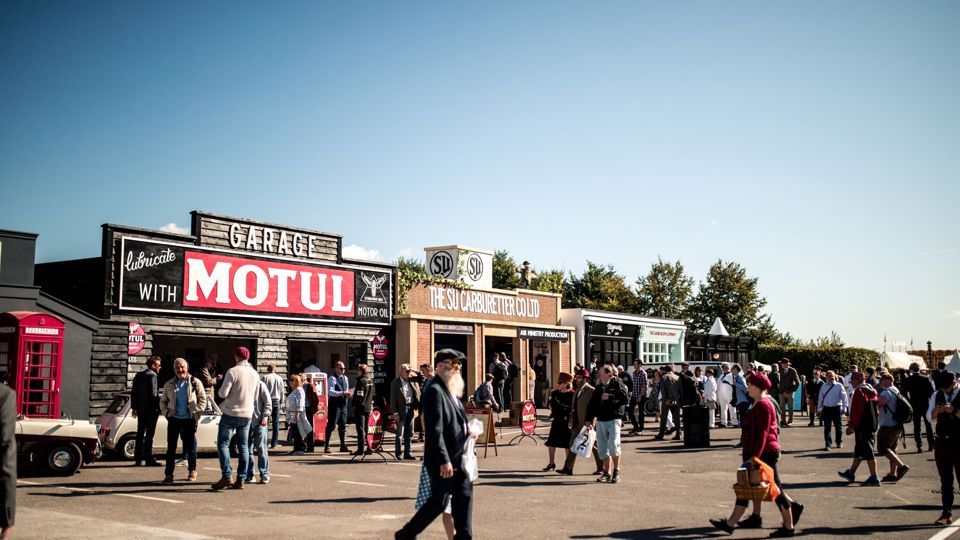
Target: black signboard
[543, 334]
[176, 278]
[601, 328]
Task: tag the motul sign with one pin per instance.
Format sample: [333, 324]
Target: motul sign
[221, 281]
[157, 276]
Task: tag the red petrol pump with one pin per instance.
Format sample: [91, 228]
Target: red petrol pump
[31, 347]
[319, 381]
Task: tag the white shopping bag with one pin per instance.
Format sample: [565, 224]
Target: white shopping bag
[469, 463]
[583, 444]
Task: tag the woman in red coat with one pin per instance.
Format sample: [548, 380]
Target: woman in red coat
[760, 439]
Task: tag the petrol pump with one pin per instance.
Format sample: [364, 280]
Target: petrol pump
[31, 349]
[319, 381]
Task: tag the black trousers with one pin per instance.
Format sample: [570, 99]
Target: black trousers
[636, 417]
[947, 456]
[361, 417]
[337, 418]
[184, 429]
[461, 491]
[831, 415]
[920, 411]
[146, 428]
[674, 414]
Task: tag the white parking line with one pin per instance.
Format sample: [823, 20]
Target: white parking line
[280, 475]
[360, 483]
[158, 499]
[81, 490]
[946, 532]
[29, 483]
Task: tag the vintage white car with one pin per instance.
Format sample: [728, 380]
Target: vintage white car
[118, 430]
[59, 445]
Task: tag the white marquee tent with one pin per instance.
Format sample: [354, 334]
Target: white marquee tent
[899, 360]
[953, 362]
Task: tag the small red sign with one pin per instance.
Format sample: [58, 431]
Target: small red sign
[136, 339]
[528, 418]
[374, 431]
[380, 348]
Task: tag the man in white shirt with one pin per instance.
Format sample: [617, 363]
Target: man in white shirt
[846, 380]
[239, 389]
[831, 404]
[725, 388]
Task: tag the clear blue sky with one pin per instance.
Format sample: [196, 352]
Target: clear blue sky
[816, 143]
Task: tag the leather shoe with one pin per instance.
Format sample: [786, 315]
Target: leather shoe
[153, 463]
[409, 457]
[566, 472]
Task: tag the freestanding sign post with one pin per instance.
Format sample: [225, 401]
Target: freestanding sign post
[528, 423]
[489, 434]
[375, 437]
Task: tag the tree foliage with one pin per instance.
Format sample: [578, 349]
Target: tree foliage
[505, 274]
[665, 291]
[728, 293]
[551, 281]
[599, 287]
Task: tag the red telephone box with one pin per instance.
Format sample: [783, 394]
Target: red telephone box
[31, 347]
[319, 419]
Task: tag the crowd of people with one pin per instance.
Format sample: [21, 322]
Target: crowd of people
[596, 400]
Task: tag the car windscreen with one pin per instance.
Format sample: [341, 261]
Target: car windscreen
[117, 405]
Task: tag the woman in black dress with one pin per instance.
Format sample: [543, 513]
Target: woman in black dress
[561, 403]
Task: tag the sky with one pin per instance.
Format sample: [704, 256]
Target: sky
[815, 143]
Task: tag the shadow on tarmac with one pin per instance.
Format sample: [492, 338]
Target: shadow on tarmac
[357, 500]
[656, 533]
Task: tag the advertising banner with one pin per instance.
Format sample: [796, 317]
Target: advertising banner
[374, 430]
[528, 418]
[175, 278]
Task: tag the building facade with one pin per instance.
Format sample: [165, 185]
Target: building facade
[285, 293]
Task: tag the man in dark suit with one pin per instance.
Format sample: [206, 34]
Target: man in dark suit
[145, 403]
[8, 460]
[404, 399]
[444, 421]
[917, 389]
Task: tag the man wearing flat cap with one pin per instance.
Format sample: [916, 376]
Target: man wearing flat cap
[789, 383]
[404, 398]
[445, 435]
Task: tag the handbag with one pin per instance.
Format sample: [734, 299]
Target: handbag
[583, 444]
[469, 461]
[304, 426]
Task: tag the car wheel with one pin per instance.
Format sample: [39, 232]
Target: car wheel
[127, 447]
[63, 459]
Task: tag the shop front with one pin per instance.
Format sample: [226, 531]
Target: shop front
[480, 323]
[285, 293]
[619, 338]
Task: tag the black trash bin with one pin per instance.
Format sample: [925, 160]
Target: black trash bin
[696, 429]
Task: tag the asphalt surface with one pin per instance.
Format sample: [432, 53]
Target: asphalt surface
[667, 492]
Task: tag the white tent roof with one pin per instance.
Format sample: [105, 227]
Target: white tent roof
[953, 362]
[899, 360]
[718, 329]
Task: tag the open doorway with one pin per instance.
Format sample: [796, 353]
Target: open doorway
[325, 355]
[457, 342]
[196, 350]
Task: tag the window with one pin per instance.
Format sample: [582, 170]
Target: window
[655, 353]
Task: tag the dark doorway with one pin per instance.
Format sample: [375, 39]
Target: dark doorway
[196, 350]
[457, 342]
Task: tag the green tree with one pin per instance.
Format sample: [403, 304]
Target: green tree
[600, 287]
[728, 293]
[549, 281]
[505, 274]
[665, 291]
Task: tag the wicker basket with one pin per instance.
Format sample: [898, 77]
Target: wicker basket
[756, 491]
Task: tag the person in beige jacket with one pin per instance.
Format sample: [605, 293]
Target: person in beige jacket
[182, 402]
[578, 417]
